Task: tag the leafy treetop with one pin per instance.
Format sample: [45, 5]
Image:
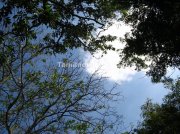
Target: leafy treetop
[155, 36]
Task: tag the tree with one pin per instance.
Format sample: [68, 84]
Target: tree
[36, 99]
[162, 118]
[51, 26]
[155, 37]
[59, 25]
[55, 100]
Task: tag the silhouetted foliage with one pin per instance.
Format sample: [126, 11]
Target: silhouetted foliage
[51, 26]
[58, 24]
[164, 118]
[155, 36]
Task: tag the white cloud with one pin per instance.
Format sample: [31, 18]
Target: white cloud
[108, 63]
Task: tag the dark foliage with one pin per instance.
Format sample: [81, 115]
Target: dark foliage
[164, 118]
[59, 24]
[155, 36]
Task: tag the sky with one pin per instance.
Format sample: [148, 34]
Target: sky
[135, 87]
[109, 61]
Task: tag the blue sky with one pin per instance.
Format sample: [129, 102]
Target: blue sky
[135, 94]
[134, 90]
[135, 87]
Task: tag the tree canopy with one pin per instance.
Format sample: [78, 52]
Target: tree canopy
[155, 37]
[59, 24]
[37, 99]
[47, 100]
